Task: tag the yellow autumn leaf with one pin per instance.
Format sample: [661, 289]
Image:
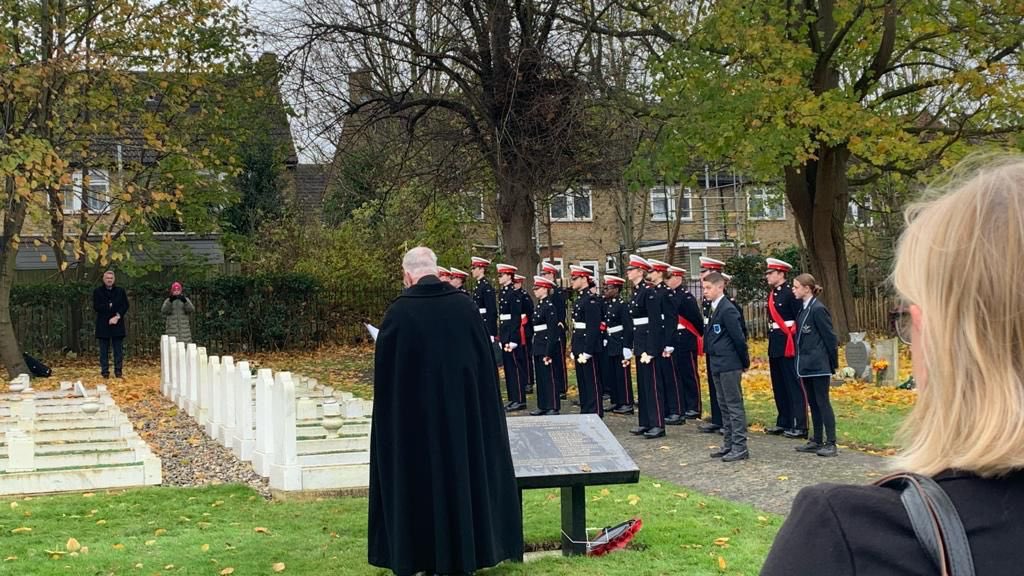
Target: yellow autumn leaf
[261, 530]
[14, 505]
[762, 518]
[150, 542]
[783, 478]
[205, 547]
[73, 545]
[160, 532]
[227, 571]
[169, 567]
[10, 558]
[118, 546]
[722, 565]
[278, 567]
[88, 495]
[723, 541]
[21, 530]
[682, 494]
[632, 499]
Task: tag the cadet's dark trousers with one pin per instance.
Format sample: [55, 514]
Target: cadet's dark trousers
[530, 368]
[686, 368]
[515, 373]
[716, 408]
[589, 384]
[734, 417]
[650, 388]
[547, 384]
[821, 407]
[789, 396]
[564, 379]
[673, 385]
[105, 345]
[617, 380]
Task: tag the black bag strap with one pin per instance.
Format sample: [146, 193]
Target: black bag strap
[936, 522]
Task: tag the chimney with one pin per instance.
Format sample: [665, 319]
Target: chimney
[360, 86]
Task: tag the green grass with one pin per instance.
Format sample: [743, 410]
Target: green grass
[206, 530]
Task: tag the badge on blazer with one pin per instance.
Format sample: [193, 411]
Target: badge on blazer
[717, 328]
[806, 329]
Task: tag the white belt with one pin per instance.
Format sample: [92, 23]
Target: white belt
[483, 310]
[579, 325]
[640, 321]
[505, 317]
[614, 329]
[540, 327]
[789, 324]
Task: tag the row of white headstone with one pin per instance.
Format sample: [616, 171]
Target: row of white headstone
[270, 420]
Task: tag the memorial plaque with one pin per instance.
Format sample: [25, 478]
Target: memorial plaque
[889, 350]
[858, 356]
[552, 451]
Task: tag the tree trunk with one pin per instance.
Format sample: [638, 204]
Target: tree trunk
[517, 212]
[819, 195]
[10, 351]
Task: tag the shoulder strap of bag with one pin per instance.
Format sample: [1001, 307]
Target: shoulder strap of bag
[936, 522]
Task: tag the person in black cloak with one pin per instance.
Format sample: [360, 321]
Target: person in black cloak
[443, 492]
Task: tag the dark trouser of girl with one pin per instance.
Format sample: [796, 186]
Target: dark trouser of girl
[821, 408]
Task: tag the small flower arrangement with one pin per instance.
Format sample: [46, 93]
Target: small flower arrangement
[879, 366]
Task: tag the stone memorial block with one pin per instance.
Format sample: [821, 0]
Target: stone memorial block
[858, 356]
[245, 436]
[264, 450]
[305, 409]
[227, 399]
[889, 350]
[21, 450]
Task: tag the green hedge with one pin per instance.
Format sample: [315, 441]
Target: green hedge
[233, 314]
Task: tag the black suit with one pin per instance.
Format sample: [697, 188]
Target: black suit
[726, 348]
[546, 343]
[790, 398]
[108, 303]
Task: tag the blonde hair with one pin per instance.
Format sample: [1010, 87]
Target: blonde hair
[970, 413]
[807, 280]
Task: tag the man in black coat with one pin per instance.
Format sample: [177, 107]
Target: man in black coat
[110, 304]
[728, 357]
[443, 493]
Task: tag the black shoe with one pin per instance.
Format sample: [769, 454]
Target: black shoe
[529, 389]
[551, 413]
[795, 433]
[691, 415]
[708, 428]
[638, 430]
[810, 448]
[654, 433]
[720, 451]
[734, 456]
[610, 408]
[828, 450]
[674, 420]
[775, 430]
[627, 409]
[515, 407]
[563, 396]
[538, 412]
[104, 375]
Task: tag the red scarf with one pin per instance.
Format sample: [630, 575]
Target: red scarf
[788, 330]
[693, 330]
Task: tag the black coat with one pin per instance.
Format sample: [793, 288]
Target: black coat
[817, 347]
[686, 306]
[487, 305]
[864, 530]
[705, 308]
[618, 327]
[788, 306]
[586, 320]
[443, 492]
[107, 302]
[724, 343]
[511, 313]
[544, 324]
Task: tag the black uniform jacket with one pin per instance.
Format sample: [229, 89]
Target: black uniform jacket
[817, 347]
[724, 343]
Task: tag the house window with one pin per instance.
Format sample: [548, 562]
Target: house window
[666, 199]
[572, 205]
[94, 195]
[474, 207]
[763, 205]
[861, 214]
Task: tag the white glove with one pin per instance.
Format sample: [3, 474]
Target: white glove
[667, 352]
[493, 339]
[627, 353]
[512, 346]
[646, 358]
[604, 343]
[582, 358]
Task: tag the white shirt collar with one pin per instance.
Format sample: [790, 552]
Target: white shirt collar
[714, 304]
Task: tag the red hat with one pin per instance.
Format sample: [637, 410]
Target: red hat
[776, 264]
[658, 265]
[477, 262]
[638, 262]
[676, 271]
[711, 264]
[518, 279]
[546, 267]
[507, 269]
[610, 280]
[580, 271]
[443, 272]
[542, 282]
[456, 273]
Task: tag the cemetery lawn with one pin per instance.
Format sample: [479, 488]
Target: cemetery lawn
[229, 529]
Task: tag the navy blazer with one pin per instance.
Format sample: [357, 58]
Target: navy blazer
[724, 343]
[817, 347]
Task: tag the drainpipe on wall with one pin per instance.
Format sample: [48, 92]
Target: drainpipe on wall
[704, 204]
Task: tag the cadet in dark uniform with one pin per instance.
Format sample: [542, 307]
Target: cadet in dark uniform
[664, 317]
[688, 342]
[512, 334]
[783, 307]
[458, 280]
[484, 296]
[517, 283]
[616, 374]
[545, 348]
[726, 348]
[444, 275]
[558, 300]
[586, 340]
[650, 388]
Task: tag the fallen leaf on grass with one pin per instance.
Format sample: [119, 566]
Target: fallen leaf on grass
[150, 542]
[118, 546]
[722, 542]
[227, 571]
[160, 532]
[278, 567]
[14, 505]
[682, 494]
[783, 478]
[632, 499]
[261, 530]
[10, 558]
[169, 567]
[722, 565]
[21, 530]
[88, 495]
[762, 518]
[205, 547]
[73, 545]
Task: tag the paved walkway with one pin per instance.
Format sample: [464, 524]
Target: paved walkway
[769, 480]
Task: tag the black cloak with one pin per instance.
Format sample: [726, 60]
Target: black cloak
[443, 493]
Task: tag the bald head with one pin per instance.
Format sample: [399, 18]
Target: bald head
[417, 263]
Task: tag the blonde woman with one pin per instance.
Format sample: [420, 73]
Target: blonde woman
[966, 432]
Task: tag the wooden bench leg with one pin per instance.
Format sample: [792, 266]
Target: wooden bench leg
[574, 520]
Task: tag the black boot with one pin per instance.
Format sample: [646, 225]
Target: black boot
[811, 447]
[828, 450]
